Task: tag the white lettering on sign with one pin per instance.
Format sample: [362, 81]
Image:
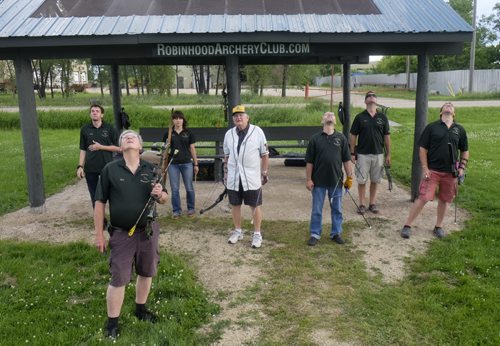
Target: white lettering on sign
[221, 49]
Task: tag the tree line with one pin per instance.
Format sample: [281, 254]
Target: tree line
[487, 53]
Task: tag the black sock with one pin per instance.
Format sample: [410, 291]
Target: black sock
[407, 226]
[140, 308]
[112, 322]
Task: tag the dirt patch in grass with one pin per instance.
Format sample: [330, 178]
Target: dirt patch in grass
[230, 272]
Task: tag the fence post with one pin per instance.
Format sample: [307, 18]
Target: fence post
[307, 90]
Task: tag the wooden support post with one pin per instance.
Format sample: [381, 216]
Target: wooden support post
[346, 71]
[30, 133]
[233, 86]
[421, 108]
[115, 92]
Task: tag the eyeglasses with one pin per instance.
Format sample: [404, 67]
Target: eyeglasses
[238, 115]
[130, 136]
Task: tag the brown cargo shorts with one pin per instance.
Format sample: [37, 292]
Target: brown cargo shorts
[137, 251]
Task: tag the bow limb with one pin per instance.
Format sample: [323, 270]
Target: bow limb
[219, 199]
[167, 145]
[388, 175]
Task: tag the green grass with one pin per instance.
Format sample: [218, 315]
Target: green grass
[59, 158]
[55, 295]
[450, 295]
[411, 94]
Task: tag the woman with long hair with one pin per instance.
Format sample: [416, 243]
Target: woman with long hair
[184, 163]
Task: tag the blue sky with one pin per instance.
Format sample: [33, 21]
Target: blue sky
[485, 7]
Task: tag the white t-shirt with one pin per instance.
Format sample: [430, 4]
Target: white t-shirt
[246, 164]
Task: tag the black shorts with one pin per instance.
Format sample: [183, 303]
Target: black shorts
[252, 198]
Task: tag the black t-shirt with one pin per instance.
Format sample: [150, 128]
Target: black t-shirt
[105, 135]
[127, 193]
[180, 141]
[441, 142]
[327, 153]
[370, 131]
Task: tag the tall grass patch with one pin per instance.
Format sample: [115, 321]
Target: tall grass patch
[146, 116]
[86, 99]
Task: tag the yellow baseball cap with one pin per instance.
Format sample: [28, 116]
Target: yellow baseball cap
[238, 109]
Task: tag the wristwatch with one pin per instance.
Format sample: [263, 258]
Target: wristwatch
[79, 166]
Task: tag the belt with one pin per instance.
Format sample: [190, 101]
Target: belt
[137, 229]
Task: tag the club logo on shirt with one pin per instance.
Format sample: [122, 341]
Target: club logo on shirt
[145, 178]
[455, 131]
[105, 133]
[380, 122]
[336, 142]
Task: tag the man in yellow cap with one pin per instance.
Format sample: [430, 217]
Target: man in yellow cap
[246, 162]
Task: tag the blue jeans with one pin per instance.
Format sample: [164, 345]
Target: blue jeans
[174, 173]
[318, 199]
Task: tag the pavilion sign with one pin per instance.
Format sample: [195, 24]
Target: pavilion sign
[222, 49]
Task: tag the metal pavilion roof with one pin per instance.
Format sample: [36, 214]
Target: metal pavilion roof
[335, 31]
[20, 19]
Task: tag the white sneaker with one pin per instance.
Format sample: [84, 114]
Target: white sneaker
[257, 240]
[234, 236]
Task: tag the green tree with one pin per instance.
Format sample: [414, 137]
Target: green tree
[326, 70]
[487, 46]
[464, 8]
[299, 75]
[489, 35]
[257, 77]
[65, 70]
[7, 76]
[395, 64]
[161, 79]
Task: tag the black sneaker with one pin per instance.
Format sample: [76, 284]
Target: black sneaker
[338, 239]
[438, 232]
[111, 333]
[361, 209]
[405, 232]
[312, 241]
[373, 208]
[146, 316]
